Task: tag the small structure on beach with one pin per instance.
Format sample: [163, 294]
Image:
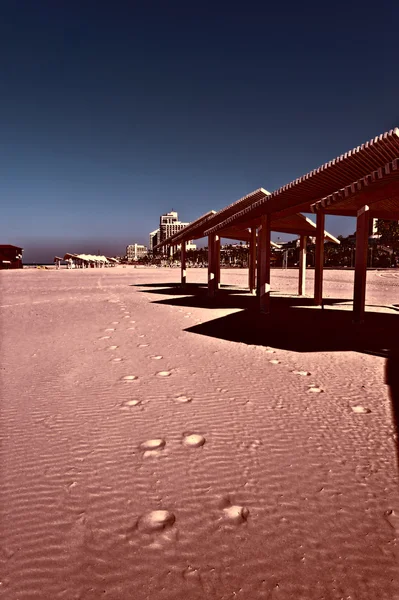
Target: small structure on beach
[375, 196]
[88, 260]
[10, 256]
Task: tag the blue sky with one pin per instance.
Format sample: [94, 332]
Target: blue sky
[112, 113]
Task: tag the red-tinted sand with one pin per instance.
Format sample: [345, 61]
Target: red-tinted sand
[192, 467]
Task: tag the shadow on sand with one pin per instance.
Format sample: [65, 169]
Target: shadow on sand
[294, 324]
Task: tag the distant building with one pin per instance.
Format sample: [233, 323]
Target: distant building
[136, 251]
[373, 227]
[10, 256]
[154, 236]
[169, 224]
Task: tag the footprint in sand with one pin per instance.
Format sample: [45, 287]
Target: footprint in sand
[164, 373]
[303, 373]
[316, 390]
[130, 403]
[129, 378]
[155, 444]
[157, 520]
[253, 447]
[274, 361]
[182, 399]
[236, 514]
[360, 410]
[392, 516]
[194, 440]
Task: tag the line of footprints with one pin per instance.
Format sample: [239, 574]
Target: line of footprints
[314, 389]
[162, 519]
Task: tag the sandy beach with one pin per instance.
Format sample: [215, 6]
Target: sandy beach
[149, 451]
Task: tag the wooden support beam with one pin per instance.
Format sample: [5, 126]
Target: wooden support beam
[217, 262]
[264, 266]
[258, 264]
[252, 261]
[388, 215]
[362, 243]
[211, 265]
[319, 259]
[183, 264]
[302, 266]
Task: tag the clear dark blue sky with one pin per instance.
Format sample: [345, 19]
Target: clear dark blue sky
[114, 112]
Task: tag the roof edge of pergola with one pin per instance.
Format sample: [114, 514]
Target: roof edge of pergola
[365, 183]
[218, 229]
[381, 146]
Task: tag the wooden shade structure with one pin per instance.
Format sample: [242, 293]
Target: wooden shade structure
[379, 190]
[300, 194]
[254, 216]
[296, 224]
[374, 196]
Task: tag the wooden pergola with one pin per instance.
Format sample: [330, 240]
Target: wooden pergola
[374, 196]
[216, 225]
[299, 196]
[296, 224]
[253, 217]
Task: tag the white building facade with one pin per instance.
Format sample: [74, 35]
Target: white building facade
[154, 236]
[136, 251]
[169, 224]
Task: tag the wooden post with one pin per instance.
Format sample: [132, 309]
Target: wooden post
[319, 260]
[183, 264]
[302, 265]
[258, 264]
[211, 265]
[252, 261]
[362, 241]
[264, 267]
[217, 262]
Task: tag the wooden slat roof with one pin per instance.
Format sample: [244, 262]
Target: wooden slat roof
[300, 194]
[294, 224]
[246, 201]
[379, 190]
